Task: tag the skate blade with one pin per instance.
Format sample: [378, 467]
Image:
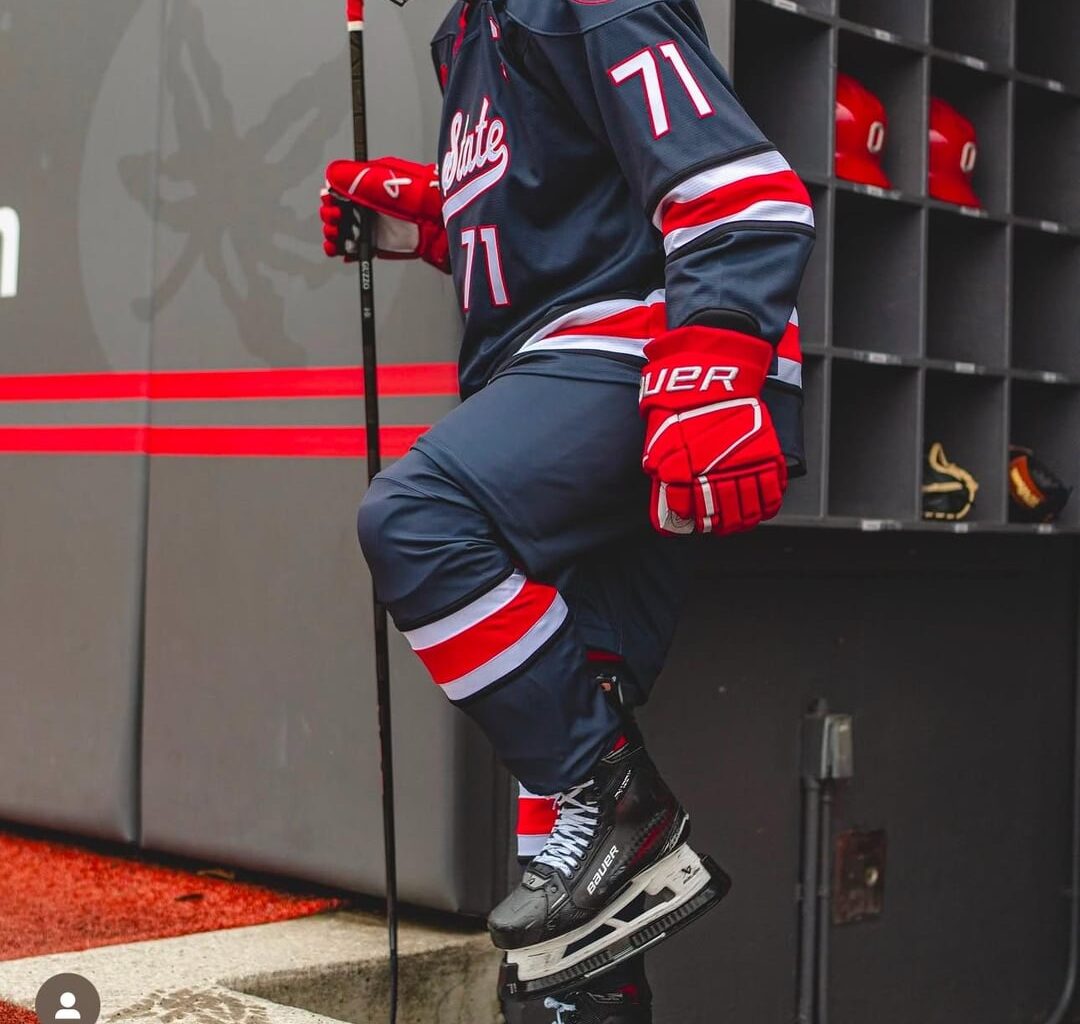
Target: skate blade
[511, 986]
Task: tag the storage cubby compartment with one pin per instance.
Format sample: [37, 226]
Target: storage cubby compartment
[983, 99]
[1047, 153]
[898, 77]
[923, 319]
[967, 290]
[1046, 419]
[907, 18]
[967, 415]
[814, 293]
[805, 494]
[779, 56]
[874, 440]
[977, 28]
[1046, 304]
[1048, 39]
[878, 267]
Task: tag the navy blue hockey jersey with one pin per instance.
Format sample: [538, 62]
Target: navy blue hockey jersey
[601, 184]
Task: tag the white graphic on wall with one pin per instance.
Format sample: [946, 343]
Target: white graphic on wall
[9, 253]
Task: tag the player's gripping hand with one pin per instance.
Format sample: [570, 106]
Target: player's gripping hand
[710, 446]
[407, 203]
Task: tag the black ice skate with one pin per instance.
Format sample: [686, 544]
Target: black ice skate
[576, 913]
[600, 1008]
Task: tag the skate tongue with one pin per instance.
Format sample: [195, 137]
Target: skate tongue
[537, 875]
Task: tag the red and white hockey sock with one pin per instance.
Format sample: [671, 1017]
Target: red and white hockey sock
[535, 820]
[536, 817]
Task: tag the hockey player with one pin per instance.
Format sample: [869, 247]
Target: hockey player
[627, 247]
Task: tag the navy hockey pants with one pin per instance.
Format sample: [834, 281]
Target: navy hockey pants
[515, 536]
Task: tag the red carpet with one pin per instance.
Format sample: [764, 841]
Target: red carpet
[56, 898]
[16, 1015]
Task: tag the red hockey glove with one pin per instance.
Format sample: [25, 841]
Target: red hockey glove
[710, 446]
[406, 200]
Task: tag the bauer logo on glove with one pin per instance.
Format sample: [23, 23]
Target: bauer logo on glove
[710, 446]
[948, 491]
[1036, 494]
[687, 378]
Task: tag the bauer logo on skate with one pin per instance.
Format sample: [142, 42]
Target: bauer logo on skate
[478, 645]
[608, 860]
[687, 378]
[477, 160]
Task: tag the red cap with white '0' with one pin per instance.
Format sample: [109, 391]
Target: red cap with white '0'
[861, 128]
[954, 150]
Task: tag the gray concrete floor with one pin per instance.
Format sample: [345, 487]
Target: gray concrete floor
[328, 967]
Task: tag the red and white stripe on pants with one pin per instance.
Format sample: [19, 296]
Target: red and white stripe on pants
[536, 819]
[478, 645]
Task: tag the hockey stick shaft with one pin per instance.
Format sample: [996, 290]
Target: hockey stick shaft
[355, 16]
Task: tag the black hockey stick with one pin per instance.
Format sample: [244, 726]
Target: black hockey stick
[355, 16]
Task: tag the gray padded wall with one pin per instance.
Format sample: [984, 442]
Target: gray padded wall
[71, 527]
[260, 745]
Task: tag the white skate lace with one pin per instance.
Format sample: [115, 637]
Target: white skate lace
[575, 824]
[560, 1009]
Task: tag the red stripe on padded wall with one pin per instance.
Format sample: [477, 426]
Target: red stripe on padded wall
[206, 442]
[408, 380]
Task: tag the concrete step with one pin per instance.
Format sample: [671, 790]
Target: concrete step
[328, 967]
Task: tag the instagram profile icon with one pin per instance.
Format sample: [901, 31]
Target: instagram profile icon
[68, 999]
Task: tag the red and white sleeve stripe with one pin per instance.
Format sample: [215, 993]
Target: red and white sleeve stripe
[758, 188]
[623, 326]
[476, 646]
[789, 355]
[536, 819]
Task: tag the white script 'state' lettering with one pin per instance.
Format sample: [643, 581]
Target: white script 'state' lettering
[477, 160]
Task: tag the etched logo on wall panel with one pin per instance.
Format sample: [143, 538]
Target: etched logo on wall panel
[227, 170]
[9, 253]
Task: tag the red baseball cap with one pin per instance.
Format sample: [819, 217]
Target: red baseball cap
[954, 149]
[861, 127]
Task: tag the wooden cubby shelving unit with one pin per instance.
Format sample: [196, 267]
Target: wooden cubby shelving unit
[924, 321]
